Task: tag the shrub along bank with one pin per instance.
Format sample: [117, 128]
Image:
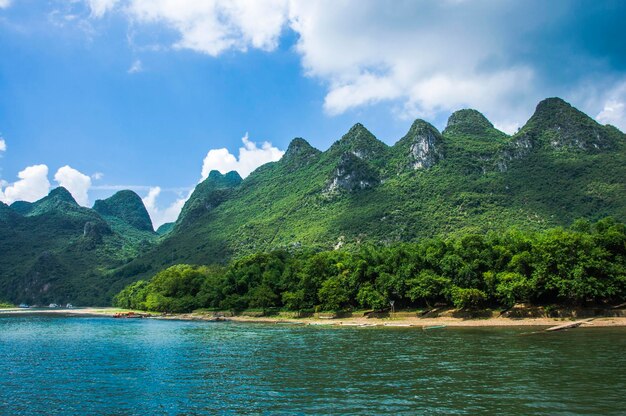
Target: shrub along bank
[582, 265]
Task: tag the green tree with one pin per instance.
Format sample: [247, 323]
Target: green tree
[428, 287]
[333, 295]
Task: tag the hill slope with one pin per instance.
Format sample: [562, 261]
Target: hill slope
[55, 251]
[562, 165]
[471, 177]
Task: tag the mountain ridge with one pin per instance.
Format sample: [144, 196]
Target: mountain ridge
[469, 178]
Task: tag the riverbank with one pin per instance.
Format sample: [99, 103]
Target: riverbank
[402, 319]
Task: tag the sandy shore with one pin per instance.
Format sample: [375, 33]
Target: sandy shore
[430, 322]
[402, 321]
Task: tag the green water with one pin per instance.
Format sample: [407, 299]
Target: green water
[147, 367]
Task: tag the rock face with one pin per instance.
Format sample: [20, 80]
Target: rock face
[422, 147]
[361, 143]
[518, 148]
[560, 126]
[352, 174]
[127, 206]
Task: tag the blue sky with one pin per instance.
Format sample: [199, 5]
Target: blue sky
[100, 95]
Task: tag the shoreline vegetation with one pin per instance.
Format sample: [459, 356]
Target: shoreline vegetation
[579, 268]
[520, 315]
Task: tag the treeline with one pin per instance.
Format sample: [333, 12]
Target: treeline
[584, 264]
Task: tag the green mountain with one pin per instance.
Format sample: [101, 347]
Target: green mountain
[55, 251]
[127, 208]
[562, 165]
[469, 178]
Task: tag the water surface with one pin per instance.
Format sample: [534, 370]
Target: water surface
[73, 365]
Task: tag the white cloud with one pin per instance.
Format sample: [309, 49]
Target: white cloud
[162, 216]
[612, 103]
[3, 145]
[100, 7]
[209, 27]
[250, 157]
[75, 182]
[422, 58]
[614, 112]
[32, 185]
[135, 67]
[4, 4]
[97, 176]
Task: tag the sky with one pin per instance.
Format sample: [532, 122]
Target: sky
[151, 95]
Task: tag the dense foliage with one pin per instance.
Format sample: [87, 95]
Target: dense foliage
[585, 264]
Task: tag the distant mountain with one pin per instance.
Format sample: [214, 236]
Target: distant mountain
[562, 165]
[127, 207]
[165, 228]
[55, 251]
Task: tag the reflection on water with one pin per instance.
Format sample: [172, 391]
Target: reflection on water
[98, 365]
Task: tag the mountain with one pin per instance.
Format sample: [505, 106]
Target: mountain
[55, 251]
[127, 207]
[562, 165]
[165, 228]
[470, 178]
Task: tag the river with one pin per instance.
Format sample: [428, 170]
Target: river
[77, 365]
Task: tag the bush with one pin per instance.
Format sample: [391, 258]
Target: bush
[513, 288]
[428, 287]
[369, 297]
[333, 296]
[468, 298]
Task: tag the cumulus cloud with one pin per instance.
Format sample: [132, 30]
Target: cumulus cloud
[3, 145]
[423, 58]
[75, 182]
[161, 216]
[210, 27]
[250, 157]
[97, 176]
[32, 185]
[614, 112]
[420, 56]
[613, 104]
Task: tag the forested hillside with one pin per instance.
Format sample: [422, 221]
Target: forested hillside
[468, 179]
[55, 251]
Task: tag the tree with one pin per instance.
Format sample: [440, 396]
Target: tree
[468, 298]
[428, 287]
[333, 295]
[369, 297]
